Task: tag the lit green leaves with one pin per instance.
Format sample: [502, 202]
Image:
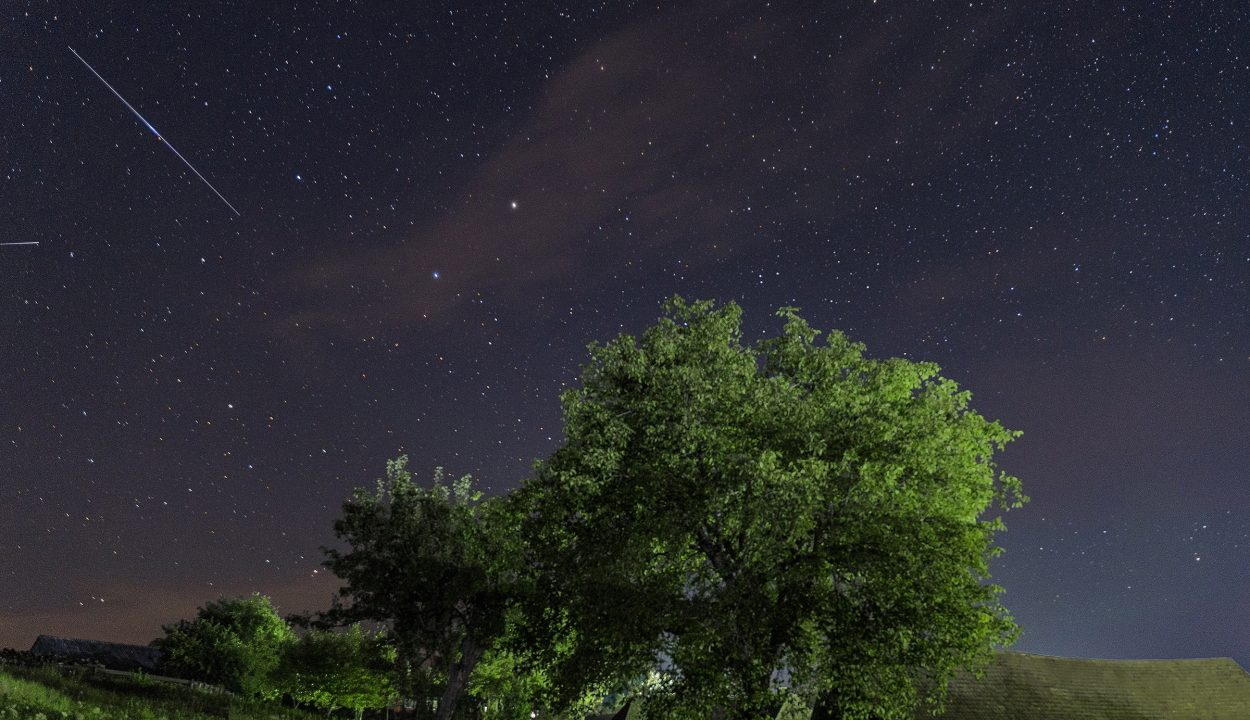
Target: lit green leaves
[233, 643]
[333, 670]
[789, 508]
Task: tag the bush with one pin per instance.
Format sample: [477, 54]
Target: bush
[333, 670]
[236, 644]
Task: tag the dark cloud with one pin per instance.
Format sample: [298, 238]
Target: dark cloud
[657, 133]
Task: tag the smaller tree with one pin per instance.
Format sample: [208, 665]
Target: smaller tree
[437, 567]
[235, 643]
[334, 670]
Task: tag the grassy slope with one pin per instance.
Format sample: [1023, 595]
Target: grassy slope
[1018, 685]
[30, 694]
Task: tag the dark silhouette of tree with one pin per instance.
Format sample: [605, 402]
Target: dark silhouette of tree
[432, 566]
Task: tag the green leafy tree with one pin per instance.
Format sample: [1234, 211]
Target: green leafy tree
[506, 688]
[789, 514]
[333, 670]
[512, 681]
[232, 643]
[436, 568]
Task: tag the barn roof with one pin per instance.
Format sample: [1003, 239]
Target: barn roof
[1039, 687]
[114, 656]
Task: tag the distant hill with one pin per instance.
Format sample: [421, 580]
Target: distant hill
[1018, 686]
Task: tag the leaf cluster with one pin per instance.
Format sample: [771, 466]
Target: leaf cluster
[234, 643]
[747, 527]
[434, 565]
[790, 510]
[331, 670]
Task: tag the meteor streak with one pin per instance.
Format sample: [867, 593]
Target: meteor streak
[28, 242]
[154, 132]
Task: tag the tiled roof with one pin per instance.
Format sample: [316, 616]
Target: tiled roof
[115, 656]
[1018, 686]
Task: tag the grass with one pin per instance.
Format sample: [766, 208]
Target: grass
[1019, 685]
[48, 694]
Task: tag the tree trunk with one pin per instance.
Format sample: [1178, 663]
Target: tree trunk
[458, 678]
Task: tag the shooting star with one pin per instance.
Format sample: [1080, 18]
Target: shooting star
[154, 132]
[28, 242]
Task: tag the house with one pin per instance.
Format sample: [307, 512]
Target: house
[1019, 686]
[114, 656]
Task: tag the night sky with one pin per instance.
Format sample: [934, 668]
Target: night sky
[440, 205]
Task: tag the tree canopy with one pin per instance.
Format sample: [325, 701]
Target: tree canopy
[432, 565]
[332, 670]
[791, 513]
[234, 643]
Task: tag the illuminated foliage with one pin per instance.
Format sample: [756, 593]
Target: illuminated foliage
[789, 513]
[232, 643]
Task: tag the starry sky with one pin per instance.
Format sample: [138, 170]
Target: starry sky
[441, 204]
